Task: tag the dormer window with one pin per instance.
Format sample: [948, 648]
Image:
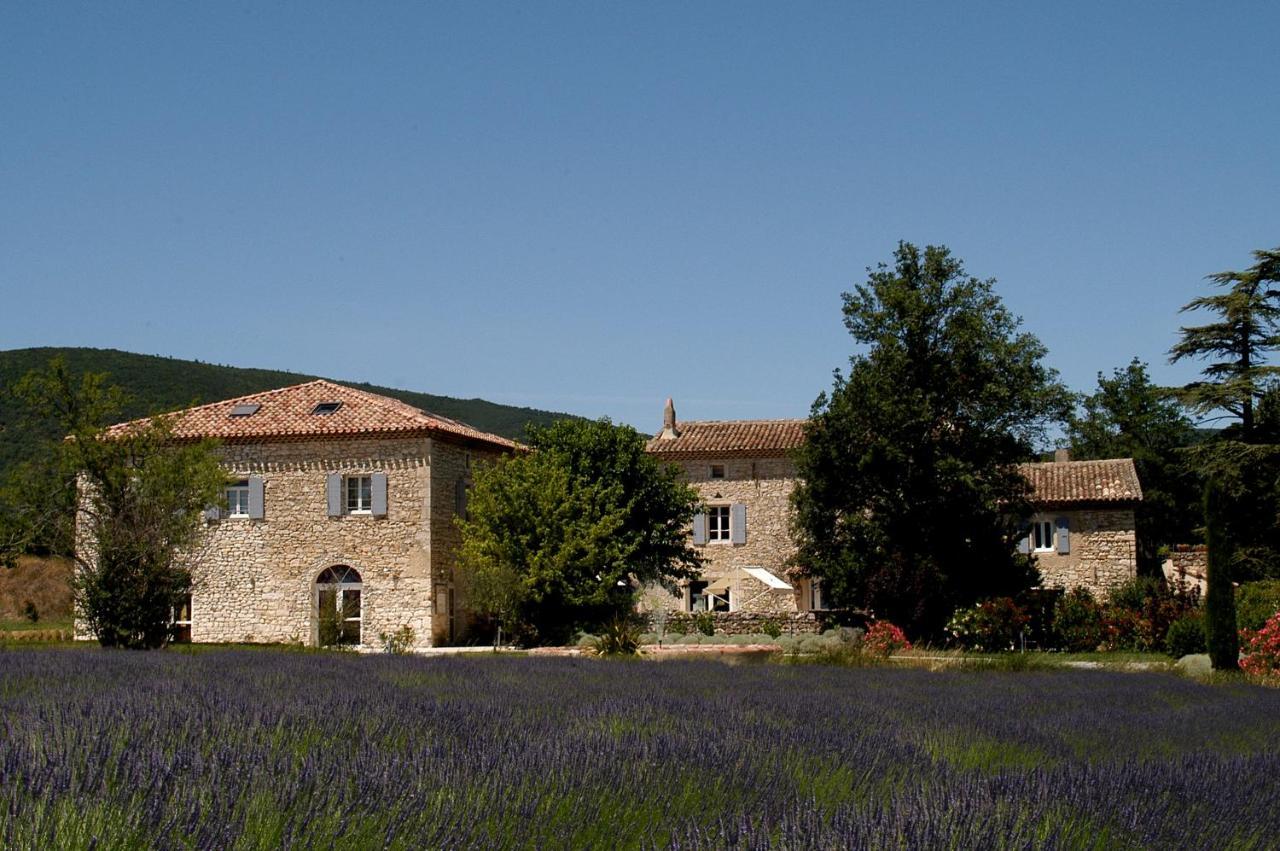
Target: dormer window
[326, 408]
[246, 410]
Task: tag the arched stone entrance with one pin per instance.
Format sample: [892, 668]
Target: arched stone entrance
[339, 615]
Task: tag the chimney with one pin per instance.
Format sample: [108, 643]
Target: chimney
[1061, 456]
[669, 430]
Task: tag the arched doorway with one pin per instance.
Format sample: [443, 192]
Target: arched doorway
[338, 606]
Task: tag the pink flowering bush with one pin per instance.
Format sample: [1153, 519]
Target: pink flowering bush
[885, 639]
[1262, 649]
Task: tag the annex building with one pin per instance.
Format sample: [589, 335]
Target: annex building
[1082, 532]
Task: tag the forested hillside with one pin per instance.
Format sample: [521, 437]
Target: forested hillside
[158, 384]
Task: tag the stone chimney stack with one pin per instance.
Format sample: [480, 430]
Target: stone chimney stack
[1061, 456]
[669, 430]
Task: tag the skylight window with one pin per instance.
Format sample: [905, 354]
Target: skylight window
[245, 410]
[326, 408]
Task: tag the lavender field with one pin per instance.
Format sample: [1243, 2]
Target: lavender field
[266, 749]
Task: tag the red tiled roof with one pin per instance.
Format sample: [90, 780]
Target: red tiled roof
[287, 413]
[729, 438]
[1114, 480]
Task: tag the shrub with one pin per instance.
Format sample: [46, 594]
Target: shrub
[885, 639]
[1256, 603]
[1139, 613]
[1185, 636]
[990, 626]
[30, 612]
[1262, 649]
[619, 637]
[771, 629]
[705, 623]
[399, 642]
[1077, 622]
[677, 627]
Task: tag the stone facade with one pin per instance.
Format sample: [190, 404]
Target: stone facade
[1102, 550]
[1188, 564]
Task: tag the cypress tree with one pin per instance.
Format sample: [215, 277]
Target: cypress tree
[1220, 600]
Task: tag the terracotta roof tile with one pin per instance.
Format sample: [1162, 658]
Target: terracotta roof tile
[1114, 480]
[729, 438]
[288, 413]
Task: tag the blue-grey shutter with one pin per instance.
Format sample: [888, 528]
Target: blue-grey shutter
[1024, 543]
[699, 528]
[213, 512]
[379, 482]
[257, 502]
[1064, 535]
[738, 524]
[333, 493]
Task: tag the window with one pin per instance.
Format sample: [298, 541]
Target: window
[718, 523]
[1042, 536]
[717, 471]
[238, 499]
[338, 606]
[704, 597]
[816, 603]
[180, 621]
[359, 494]
[325, 408]
[245, 410]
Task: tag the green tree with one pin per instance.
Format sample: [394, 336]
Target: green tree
[1130, 417]
[1239, 342]
[560, 538]
[141, 495]
[910, 501]
[1221, 635]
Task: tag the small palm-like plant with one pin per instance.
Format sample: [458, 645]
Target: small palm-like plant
[619, 637]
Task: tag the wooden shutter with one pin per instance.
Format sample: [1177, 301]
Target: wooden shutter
[257, 501]
[1064, 535]
[333, 493]
[379, 489]
[738, 523]
[1024, 543]
[699, 528]
[460, 498]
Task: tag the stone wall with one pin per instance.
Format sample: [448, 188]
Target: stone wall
[1189, 564]
[1103, 550]
[745, 623]
[764, 486]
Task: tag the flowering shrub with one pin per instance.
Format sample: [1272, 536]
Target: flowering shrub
[990, 626]
[885, 639]
[1077, 622]
[1262, 649]
[1139, 613]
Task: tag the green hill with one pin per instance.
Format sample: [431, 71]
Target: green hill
[158, 384]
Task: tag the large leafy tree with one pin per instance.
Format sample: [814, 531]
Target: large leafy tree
[911, 502]
[1128, 416]
[561, 537]
[140, 497]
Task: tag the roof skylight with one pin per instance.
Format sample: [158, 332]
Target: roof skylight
[246, 410]
[324, 408]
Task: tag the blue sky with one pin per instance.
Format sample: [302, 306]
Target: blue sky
[589, 207]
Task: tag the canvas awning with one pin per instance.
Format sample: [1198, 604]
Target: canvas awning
[773, 582]
[719, 586]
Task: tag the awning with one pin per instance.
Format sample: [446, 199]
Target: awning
[774, 583]
[720, 586]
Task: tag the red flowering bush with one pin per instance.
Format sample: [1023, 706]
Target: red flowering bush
[1262, 649]
[991, 626]
[885, 639]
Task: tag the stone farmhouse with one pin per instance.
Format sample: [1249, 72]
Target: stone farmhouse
[341, 501]
[1082, 532]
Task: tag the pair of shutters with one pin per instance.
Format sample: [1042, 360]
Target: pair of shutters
[257, 502]
[737, 525]
[335, 498]
[1063, 538]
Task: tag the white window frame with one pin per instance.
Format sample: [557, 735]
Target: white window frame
[816, 603]
[340, 591]
[238, 499]
[703, 598]
[720, 532]
[363, 493]
[1043, 536]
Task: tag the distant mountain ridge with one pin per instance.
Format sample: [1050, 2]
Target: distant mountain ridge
[157, 384]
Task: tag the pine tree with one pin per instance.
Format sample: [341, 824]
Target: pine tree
[1241, 340]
